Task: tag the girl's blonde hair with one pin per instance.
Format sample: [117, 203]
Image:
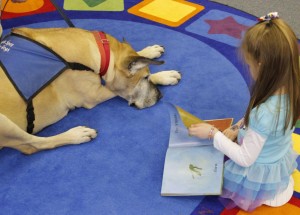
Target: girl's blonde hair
[274, 47]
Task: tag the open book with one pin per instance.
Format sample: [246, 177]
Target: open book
[192, 165]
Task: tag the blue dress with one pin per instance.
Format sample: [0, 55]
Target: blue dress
[250, 187]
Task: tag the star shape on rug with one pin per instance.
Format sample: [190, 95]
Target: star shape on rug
[228, 26]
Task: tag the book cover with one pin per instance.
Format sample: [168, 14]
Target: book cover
[192, 165]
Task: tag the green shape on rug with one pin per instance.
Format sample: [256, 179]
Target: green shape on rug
[93, 3]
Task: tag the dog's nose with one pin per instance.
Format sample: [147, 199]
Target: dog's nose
[132, 104]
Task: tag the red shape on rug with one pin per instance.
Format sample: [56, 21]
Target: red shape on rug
[228, 26]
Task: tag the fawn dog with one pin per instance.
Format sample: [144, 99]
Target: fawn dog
[126, 75]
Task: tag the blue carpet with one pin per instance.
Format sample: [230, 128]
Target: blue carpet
[120, 172]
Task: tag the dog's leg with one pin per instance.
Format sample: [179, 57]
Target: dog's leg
[152, 52]
[170, 77]
[14, 137]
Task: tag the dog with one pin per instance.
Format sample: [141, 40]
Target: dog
[127, 76]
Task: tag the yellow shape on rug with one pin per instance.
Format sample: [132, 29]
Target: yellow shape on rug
[296, 177]
[296, 140]
[296, 174]
[169, 12]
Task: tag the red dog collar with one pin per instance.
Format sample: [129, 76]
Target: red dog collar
[103, 46]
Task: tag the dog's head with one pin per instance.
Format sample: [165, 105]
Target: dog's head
[143, 93]
[130, 77]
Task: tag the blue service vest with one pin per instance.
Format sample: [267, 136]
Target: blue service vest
[29, 65]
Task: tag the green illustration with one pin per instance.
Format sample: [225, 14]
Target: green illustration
[195, 170]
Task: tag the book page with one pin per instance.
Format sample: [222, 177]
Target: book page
[192, 165]
[192, 171]
[181, 120]
[179, 136]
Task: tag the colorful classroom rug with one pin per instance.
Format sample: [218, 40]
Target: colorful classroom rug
[120, 172]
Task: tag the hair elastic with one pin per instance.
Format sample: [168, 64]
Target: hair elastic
[269, 17]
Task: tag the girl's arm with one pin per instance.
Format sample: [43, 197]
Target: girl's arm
[244, 154]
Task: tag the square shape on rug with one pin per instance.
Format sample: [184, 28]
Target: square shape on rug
[94, 5]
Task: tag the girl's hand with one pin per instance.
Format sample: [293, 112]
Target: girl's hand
[231, 132]
[202, 130]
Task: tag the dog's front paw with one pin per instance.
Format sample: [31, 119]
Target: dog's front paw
[152, 52]
[80, 134]
[170, 77]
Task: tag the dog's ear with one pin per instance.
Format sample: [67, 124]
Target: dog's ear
[138, 62]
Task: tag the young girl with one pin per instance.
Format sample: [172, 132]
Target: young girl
[260, 166]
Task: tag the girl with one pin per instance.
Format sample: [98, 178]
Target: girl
[260, 166]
